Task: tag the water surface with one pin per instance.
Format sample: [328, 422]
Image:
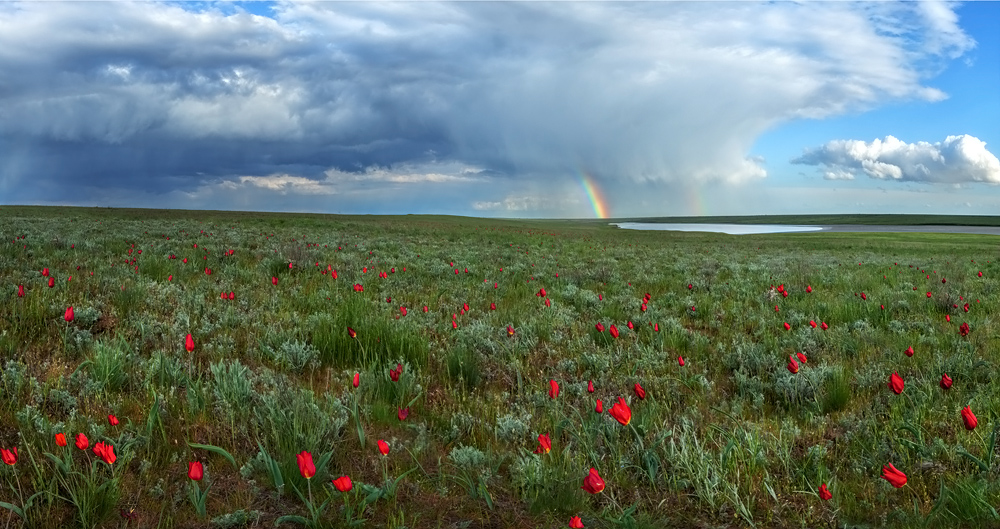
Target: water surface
[749, 229]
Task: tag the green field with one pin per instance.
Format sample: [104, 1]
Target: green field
[731, 439]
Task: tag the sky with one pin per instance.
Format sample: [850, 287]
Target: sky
[503, 109]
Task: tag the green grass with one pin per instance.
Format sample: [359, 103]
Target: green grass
[730, 439]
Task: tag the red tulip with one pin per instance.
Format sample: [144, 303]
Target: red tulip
[599, 327]
[454, 325]
[928, 294]
[824, 494]
[801, 357]
[593, 482]
[809, 288]
[45, 272]
[680, 361]
[343, 483]
[20, 291]
[575, 523]
[383, 447]
[643, 307]
[52, 282]
[222, 295]
[969, 419]
[824, 326]
[690, 286]
[357, 379]
[112, 420]
[896, 383]
[909, 351]
[9, 456]
[621, 412]
[943, 280]
[189, 343]
[195, 470]
[787, 326]
[964, 329]
[553, 389]
[613, 331]
[980, 274]
[403, 413]
[590, 386]
[656, 327]
[394, 373]
[232, 295]
[945, 381]
[600, 407]
[61, 439]
[630, 326]
[82, 442]
[812, 324]
[169, 278]
[776, 309]
[493, 306]
[185, 260]
[966, 307]
[541, 293]
[600, 297]
[106, 452]
[793, 366]
[947, 318]
[402, 310]
[641, 393]
[544, 444]
[893, 476]
[548, 302]
[510, 331]
[69, 314]
[425, 308]
[306, 466]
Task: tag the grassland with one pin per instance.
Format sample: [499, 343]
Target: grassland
[730, 439]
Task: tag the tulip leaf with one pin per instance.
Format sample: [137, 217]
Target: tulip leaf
[292, 518]
[982, 466]
[217, 450]
[12, 507]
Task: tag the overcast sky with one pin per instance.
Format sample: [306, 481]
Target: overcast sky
[501, 108]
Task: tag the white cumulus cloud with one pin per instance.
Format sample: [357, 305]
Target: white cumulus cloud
[956, 160]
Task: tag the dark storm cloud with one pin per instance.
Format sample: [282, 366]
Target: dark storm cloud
[194, 100]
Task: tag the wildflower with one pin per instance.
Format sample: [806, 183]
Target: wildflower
[112, 420]
[787, 326]
[82, 442]
[575, 523]
[964, 329]
[969, 419]
[69, 314]
[824, 326]
[553, 389]
[343, 483]
[593, 482]
[630, 326]
[812, 323]
[61, 439]
[590, 386]
[893, 476]
[614, 331]
[641, 393]
[600, 407]
[403, 413]
[9, 456]
[809, 288]
[621, 412]
[824, 493]
[599, 327]
[909, 351]
[189, 343]
[510, 331]
[52, 282]
[106, 452]
[896, 383]
[306, 466]
[945, 381]
[357, 379]
[801, 357]
[195, 470]
[394, 373]
[680, 361]
[274, 281]
[793, 366]
[544, 444]
[383, 447]
[20, 291]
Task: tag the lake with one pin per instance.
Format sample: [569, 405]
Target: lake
[749, 229]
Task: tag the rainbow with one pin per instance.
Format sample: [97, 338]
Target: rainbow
[594, 195]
